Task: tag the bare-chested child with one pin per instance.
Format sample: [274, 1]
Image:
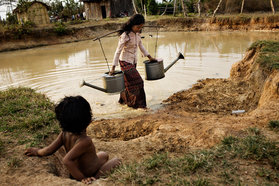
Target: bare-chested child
[84, 164]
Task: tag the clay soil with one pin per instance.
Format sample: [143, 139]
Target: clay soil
[197, 118]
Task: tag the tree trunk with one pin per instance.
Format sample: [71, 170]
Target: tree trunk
[134, 5]
[165, 8]
[174, 7]
[144, 11]
[199, 7]
[141, 3]
[183, 8]
[218, 6]
[272, 7]
[242, 5]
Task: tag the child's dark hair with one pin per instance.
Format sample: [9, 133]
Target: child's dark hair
[136, 19]
[73, 113]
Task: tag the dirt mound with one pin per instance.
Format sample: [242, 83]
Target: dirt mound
[248, 87]
[121, 130]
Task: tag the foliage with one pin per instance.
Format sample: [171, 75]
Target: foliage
[18, 30]
[60, 29]
[56, 8]
[23, 5]
[150, 5]
[274, 125]
[268, 54]
[21, 30]
[195, 168]
[191, 6]
[11, 19]
[26, 116]
[71, 7]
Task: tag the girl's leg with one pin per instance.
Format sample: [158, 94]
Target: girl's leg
[107, 167]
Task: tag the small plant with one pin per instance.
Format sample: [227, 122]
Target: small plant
[15, 163]
[60, 29]
[274, 124]
[1, 147]
[201, 182]
[268, 174]
[11, 19]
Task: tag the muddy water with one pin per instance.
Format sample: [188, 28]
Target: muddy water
[58, 70]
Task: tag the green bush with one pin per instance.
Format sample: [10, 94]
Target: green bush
[60, 29]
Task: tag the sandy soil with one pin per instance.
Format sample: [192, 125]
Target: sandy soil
[192, 119]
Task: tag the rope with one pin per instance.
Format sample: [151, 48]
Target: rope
[104, 53]
[156, 42]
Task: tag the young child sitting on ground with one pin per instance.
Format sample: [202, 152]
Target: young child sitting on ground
[84, 164]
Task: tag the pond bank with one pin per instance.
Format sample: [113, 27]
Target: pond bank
[15, 40]
[197, 118]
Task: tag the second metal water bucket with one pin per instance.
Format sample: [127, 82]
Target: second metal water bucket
[155, 69]
[112, 84]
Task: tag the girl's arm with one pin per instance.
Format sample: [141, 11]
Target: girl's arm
[121, 43]
[144, 51]
[53, 147]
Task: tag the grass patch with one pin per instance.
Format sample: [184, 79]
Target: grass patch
[26, 116]
[217, 166]
[268, 54]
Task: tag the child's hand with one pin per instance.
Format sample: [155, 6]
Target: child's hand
[88, 180]
[151, 58]
[31, 151]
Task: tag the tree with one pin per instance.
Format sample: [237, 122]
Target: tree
[167, 3]
[272, 7]
[183, 8]
[152, 7]
[199, 7]
[134, 5]
[174, 7]
[242, 5]
[56, 8]
[146, 6]
[218, 6]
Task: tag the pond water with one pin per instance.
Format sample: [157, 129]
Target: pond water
[57, 70]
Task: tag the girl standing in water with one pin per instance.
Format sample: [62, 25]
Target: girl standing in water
[126, 56]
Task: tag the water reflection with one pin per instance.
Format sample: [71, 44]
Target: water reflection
[57, 70]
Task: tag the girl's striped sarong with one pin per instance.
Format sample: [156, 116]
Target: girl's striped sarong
[133, 95]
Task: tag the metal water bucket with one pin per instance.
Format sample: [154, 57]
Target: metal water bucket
[155, 69]
[112, 83]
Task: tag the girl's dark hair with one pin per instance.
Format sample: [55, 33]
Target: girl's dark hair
[136, 19]
[73, 113]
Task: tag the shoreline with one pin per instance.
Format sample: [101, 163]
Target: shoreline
[39, 37]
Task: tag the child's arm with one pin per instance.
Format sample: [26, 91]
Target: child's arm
[144, 52]
[53, 147]
[74, 154]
